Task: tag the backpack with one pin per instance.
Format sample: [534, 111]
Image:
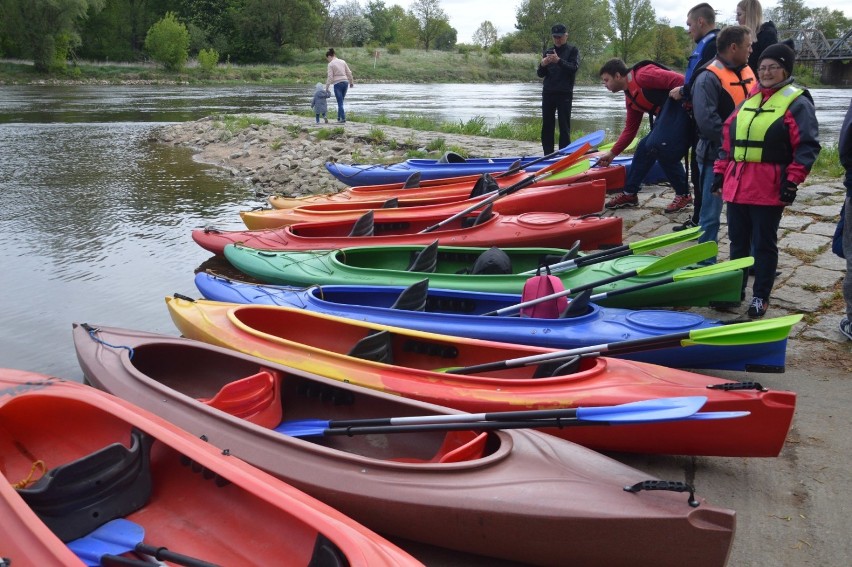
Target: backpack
[541, 285]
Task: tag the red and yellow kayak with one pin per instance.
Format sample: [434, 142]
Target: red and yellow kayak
[79, 466]
[411, 360]
[452, 187]
[528, 229]
[575, 199]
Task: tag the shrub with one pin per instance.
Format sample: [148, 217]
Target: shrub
[168, 42]
[394, 49]
[208, 59]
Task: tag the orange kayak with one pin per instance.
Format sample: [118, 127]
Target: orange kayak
[528, 229]
[454, 187]
[513, 494]
[407, 363]
[576, 199]
[83, 470]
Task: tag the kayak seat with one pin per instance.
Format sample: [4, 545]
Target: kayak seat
[363, 226]
[550, 259]
[413, 298]
[392, 203]
[578, 306]
[413, 181]
[485, 184]
[255, 398]
[76, 498]
[482, 217]
[458, 446]
[493, 261]
[376, 347]
[426, 260]
[451, 157]
[558, 368]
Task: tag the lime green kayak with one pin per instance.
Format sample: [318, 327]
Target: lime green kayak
[462, 268]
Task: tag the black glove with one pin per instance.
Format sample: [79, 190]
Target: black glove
[718, 179]
[788, 192]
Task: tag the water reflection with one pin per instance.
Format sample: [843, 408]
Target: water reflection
[96, 218]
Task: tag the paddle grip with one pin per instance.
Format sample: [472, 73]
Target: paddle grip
[163, 554]
[673, 486]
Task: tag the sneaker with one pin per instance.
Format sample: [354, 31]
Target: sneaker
[680, 202]
[846, 327]
[758, 307]
[326, 120]
[623, 200]
[688, 224]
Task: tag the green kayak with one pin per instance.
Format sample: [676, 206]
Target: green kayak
[453, 267]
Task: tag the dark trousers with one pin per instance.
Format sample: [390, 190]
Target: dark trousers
[552, 104]
[753, 231]
[667, 144]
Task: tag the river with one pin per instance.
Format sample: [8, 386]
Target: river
[96, 218]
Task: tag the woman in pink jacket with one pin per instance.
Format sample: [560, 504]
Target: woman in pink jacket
[340, 76]
[769, 145]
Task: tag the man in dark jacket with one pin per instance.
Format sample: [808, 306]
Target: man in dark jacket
[558, 67]
[845, 150]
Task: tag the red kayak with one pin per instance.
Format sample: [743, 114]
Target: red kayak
[408, 363]
[86, 477]
[453, 187]
[575, 199]
[526, 230]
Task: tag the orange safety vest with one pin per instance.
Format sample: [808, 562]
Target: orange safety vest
[736, 84]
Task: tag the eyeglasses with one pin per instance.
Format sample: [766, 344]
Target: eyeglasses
[769, 69]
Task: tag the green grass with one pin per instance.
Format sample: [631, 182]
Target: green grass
[233, 123]
[828, 163]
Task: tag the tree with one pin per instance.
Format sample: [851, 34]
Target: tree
[789, 14]
[168, 42]
[445, 36]
[634, 26]
[38, 27]
[430, 18]
[385, 27]
[832, 23]
[339, 19]
[358, 31]
[267, 29]
[588, 23]
[485, 35]
[669, 45]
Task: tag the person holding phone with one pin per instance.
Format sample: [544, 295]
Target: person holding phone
[558, 67]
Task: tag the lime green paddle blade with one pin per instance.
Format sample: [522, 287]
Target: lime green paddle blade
[663, 240]
[719, 268]
[753, 332]
[679, 259]
[573, 170]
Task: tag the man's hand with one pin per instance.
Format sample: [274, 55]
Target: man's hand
[605, 159]
[676, 93]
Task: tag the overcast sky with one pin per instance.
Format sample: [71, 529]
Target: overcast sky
[467, 15]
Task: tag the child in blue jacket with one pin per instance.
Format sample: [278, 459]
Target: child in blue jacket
[320, 102]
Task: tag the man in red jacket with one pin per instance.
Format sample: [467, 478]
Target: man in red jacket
[646, 88]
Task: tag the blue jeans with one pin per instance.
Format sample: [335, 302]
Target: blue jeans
[667, 143]
[339, 94]
[711, 207]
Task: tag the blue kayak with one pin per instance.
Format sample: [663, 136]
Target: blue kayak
[451, 165]
[455, 312]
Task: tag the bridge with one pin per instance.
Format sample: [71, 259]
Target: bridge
[830, 57]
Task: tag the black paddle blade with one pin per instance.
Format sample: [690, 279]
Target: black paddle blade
[392, 203]
[485, 184]
[413, 298]
[426, 260]
[363, 226]
[412, 181]
[558, 368]
[572, 252]
[578, 306]
[375, 347]
[482, 217]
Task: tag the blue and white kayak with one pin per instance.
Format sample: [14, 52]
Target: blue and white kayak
[459, 313]
[451, 165]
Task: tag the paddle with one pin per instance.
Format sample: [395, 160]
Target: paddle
[525, 182]
[661, 409]
[592, 140]
[638, 247]
[681, 258]
[121, 536]
[753, 332]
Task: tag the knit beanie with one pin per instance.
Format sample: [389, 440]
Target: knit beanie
[781, 53]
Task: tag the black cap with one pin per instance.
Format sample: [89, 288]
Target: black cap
[558, 29]
[781, 53]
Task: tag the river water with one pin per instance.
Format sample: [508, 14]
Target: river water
[96, 218]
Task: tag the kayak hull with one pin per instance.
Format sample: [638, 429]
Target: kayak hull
[387, 265]
[454, 312]
[525, 496]
[528, 229]
[58, 422]
[576, 199]
[452, 188]
[321, 343]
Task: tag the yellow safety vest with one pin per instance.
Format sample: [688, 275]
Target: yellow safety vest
[759, 133]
